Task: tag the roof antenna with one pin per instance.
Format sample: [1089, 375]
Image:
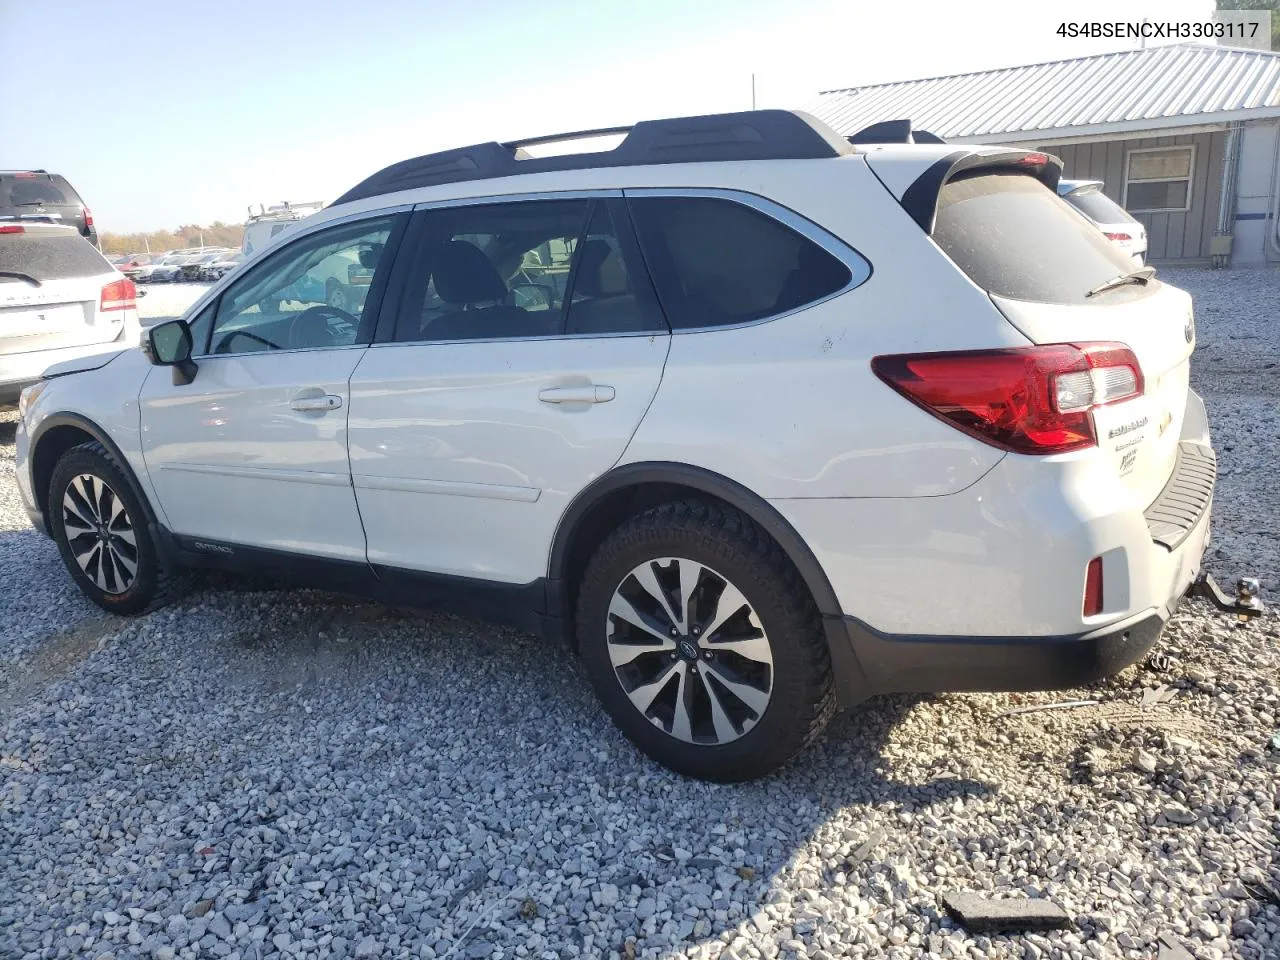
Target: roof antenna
[753, 91]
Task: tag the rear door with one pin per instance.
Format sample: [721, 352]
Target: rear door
[525, 351]
[1045, 268]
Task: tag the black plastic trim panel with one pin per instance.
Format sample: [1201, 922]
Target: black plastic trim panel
[1185, 498]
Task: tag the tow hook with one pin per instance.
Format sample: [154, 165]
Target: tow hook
[1246, 604]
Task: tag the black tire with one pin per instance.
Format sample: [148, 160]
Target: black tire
[802, 699]
[155, 582]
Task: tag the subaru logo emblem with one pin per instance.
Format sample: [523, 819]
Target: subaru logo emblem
[688, 650]
[1190, 330]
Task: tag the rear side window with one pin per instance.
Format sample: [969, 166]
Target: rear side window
[716, 262]
[1097, 206]
[1016, 238]
[48, 258]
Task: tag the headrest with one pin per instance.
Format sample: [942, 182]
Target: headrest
[601, 272]
[370, 255]
[464, 275]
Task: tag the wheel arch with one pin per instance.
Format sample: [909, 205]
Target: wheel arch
[58, 433]
[628, 489]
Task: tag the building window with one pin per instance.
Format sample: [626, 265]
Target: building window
[1158, 180]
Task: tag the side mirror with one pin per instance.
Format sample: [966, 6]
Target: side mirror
[169, 345]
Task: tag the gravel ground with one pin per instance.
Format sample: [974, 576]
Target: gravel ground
[257, 772]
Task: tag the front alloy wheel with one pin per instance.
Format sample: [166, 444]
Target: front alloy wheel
[689, 651]
[100, 533]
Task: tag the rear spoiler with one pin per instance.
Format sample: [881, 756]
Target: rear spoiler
[893, 131]
[920, 200]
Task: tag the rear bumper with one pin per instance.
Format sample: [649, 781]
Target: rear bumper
[897, 664]
[983, 589]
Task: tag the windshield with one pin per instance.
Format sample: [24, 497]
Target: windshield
[1016, 238]
[1097, 206]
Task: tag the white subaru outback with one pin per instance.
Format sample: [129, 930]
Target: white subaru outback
[756, 421]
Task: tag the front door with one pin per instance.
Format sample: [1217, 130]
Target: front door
[253, 452]
[524, 354]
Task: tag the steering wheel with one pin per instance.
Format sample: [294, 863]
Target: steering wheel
[339, 327]
[224, 345]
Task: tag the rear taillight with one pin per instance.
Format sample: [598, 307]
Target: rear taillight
[12, 228]
[1093, 588]
[1025, 399]
[88, 218]
[1117, 236]
[119, 295]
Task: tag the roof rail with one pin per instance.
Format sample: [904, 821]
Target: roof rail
[752, 135]
[893, 131]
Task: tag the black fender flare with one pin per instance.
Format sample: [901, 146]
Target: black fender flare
[82, 422]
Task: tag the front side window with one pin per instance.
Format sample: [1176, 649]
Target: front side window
[717, 262]
[535, 268]
[310, 294]
[1158, 180]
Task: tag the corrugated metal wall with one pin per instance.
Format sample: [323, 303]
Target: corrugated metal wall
[1170, 236]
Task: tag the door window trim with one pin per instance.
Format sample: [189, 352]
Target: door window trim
[859, 267]
[399, 282]
[377, 291]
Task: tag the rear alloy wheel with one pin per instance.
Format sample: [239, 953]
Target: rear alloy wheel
[702, 642]
[689, 651]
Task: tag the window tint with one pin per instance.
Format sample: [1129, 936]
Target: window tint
[1015, 238]
[717, 262]
[310, 294]
[49, 257]
[606, 297]
[20, 191]
[1096, 205]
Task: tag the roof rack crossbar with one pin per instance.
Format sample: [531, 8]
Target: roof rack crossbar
[752, 135]
[514, 145]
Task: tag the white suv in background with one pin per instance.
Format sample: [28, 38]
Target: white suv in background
[756, 422]
[60, 299]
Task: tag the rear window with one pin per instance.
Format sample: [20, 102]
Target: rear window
[1015, 238]
[1097, 206]
[716, 262]
[42, 188]
[49, 258]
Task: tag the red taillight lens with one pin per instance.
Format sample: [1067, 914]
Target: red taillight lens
[1093, 588]
[119, 295]
[1033, 160]
[88, 217]
[1117, 236]
[12, 228]
[1024, 399]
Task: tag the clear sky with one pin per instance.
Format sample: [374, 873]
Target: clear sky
[186, 112]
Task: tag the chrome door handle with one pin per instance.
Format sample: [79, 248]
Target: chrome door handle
[591, 393]
[310, 404]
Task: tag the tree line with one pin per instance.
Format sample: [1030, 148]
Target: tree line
[216, 234]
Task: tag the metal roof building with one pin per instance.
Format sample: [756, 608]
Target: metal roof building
[1201, 120]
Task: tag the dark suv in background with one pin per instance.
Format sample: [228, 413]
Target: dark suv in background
[39, 195]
